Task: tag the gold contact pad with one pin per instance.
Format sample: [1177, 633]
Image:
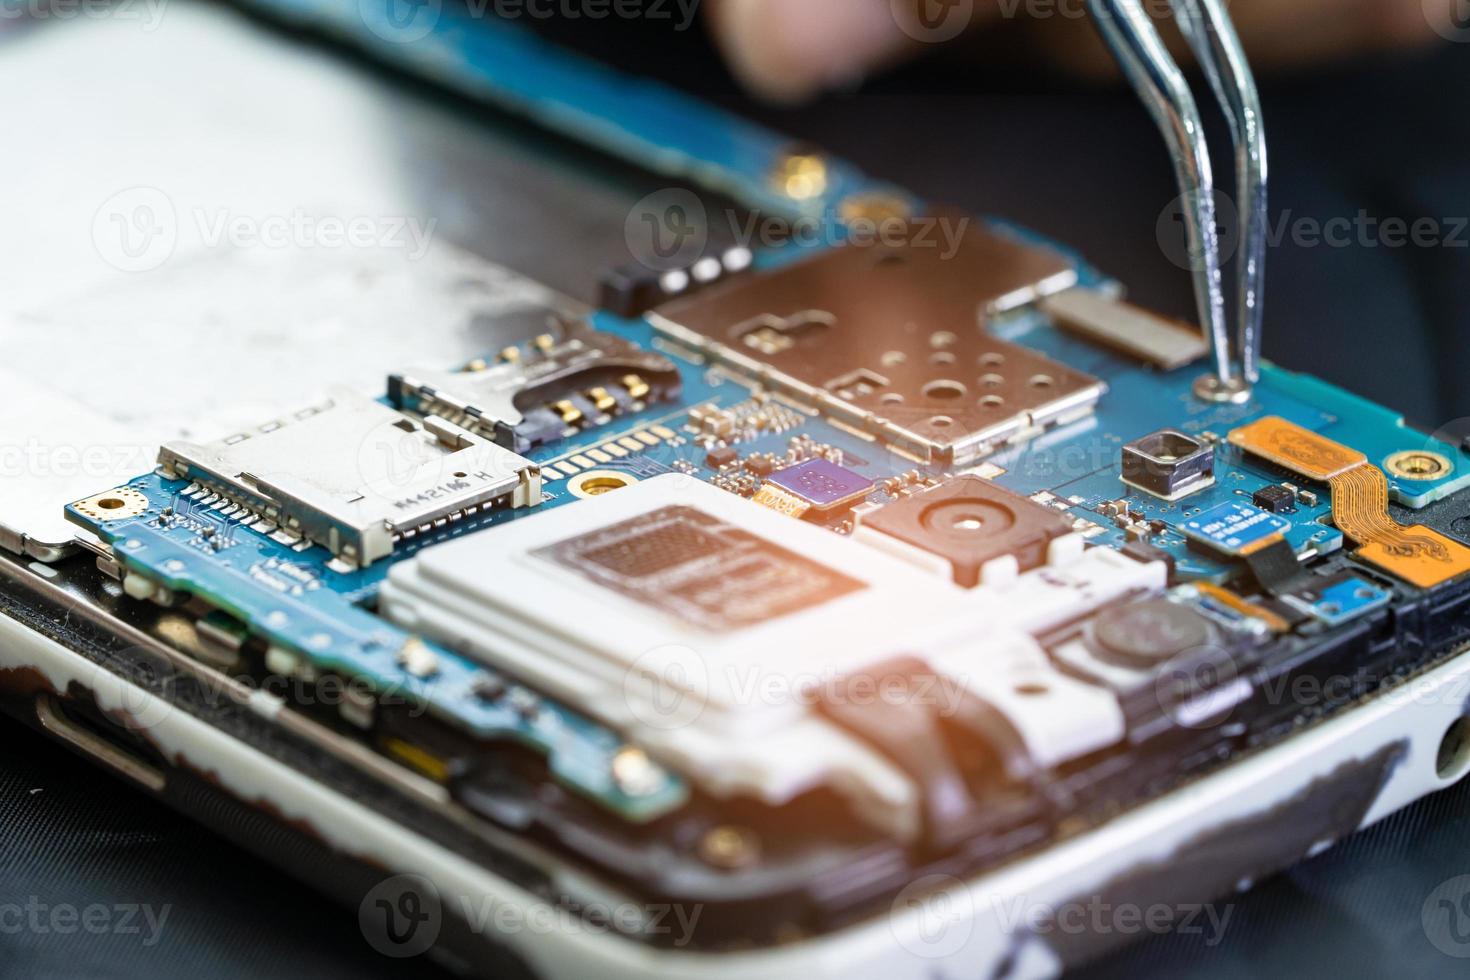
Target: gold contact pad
[1418, 555]
[782, 502]
[1299, 450]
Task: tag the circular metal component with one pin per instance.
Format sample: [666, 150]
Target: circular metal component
[875, 207]
[114, 505]
[1146, 634]
[595, 483]
[1236, 391]
[635, 773]
[964, 519]
[1419, 464]
[801, 176]
[729, 848]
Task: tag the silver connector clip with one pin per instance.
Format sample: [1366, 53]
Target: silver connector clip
[1145, 59]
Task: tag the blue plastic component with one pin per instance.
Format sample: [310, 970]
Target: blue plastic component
[1347, 600]
[1235, 528]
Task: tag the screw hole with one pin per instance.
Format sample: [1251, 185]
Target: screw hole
[1453, 758]
[944, 390]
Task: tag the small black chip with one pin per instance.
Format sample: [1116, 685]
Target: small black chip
[1274, 499]
[969, 522]
[1148, 633]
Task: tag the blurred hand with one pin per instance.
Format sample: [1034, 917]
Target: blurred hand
[791, 49]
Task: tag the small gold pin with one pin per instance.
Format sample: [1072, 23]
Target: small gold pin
[636, 386]
[602, 399]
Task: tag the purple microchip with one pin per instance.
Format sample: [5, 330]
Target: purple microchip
[822, 484]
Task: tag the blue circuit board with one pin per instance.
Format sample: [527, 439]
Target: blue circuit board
[295, 598]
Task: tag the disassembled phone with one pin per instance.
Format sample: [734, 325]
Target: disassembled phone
[812, 590]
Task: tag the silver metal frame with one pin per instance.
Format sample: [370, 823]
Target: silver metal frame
[1145, 59]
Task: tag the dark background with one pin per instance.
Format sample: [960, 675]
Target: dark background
[1082, 165]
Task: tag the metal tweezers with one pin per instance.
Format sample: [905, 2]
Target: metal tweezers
[1140, 49]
